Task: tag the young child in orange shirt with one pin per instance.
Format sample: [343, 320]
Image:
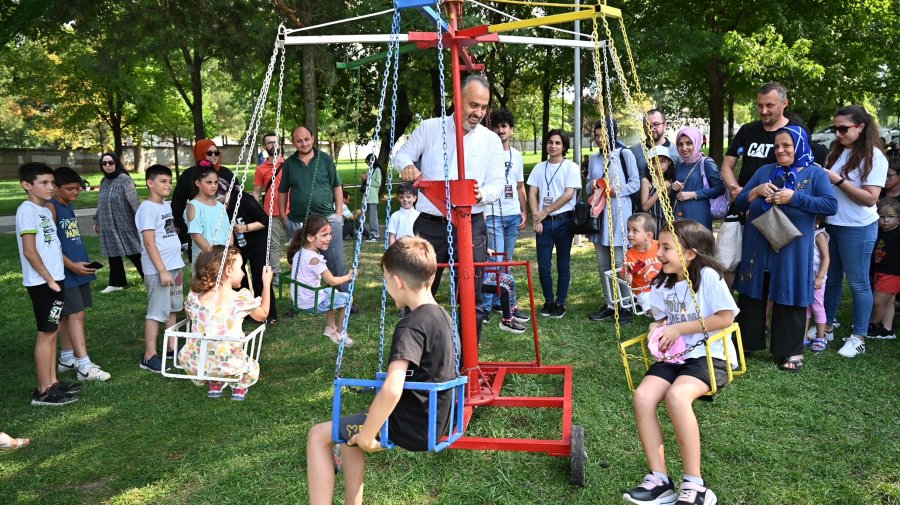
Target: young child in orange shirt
[641, 264]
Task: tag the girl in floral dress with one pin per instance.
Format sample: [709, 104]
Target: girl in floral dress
[221, 312]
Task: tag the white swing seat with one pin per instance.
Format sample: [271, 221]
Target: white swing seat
[627, 300]
[251, 343]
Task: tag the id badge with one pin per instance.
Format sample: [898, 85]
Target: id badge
[508, 192]
[547, 201]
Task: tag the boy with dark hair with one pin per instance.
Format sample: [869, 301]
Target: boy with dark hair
[79, 275]
[401, 222]
[43, 276]
[421, 351]
[161, 261]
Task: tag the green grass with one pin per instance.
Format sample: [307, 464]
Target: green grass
[826, 435]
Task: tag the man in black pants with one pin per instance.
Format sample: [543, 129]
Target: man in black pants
[484, 162]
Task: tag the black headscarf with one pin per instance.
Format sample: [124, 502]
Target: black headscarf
[119, 168]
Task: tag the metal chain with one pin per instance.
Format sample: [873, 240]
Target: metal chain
[252, 131]
[394, 43]
[450, 251]
[278, 144]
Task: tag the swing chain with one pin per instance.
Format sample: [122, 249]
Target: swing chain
[450, 249]
[278, 146]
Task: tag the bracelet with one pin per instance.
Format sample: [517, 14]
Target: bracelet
[838, 183]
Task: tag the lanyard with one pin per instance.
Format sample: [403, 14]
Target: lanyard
[508, 165]
[547, 169]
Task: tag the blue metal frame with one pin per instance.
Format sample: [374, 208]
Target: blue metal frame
[426, 7]
[435, 444]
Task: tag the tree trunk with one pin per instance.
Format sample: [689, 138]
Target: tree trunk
[813, 122]
[175, 149]
[310, 96]
[716, 105]
[138, 150]
[546, 94]
[114, 109]
[730, 117]
[197, 96]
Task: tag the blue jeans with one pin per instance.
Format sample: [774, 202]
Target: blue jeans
[850, 249]
[502, 235]
[555, 234]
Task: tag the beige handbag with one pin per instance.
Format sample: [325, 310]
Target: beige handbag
[776, 227]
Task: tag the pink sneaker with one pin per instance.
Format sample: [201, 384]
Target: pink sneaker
[238, 394]
[215, 389]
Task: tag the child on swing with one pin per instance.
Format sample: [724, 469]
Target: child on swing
[221, 312]
[421, 351]
[308, 266]
[682, 379]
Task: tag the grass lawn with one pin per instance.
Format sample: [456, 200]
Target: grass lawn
[828, 435]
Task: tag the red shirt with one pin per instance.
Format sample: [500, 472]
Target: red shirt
[263, 178]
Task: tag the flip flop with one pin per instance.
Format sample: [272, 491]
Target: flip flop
[8, 443]
[598, 199]
[796, 362]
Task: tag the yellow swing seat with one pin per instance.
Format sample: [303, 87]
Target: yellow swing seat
[720, 335]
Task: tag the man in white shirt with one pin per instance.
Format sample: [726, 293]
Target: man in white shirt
[484, 158]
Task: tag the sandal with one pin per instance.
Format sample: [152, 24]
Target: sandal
[8, 443]
[793, 365]
[819, 345]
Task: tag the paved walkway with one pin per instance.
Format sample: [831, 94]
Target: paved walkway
[85, 221]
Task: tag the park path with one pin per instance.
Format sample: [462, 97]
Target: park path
[85, 221]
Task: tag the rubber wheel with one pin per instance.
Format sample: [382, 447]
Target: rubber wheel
[578, 458]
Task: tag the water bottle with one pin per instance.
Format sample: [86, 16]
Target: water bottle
[241, 239]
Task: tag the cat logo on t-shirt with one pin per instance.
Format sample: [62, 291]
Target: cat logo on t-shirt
[758, 150]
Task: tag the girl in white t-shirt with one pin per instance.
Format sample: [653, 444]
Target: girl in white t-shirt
[683, 378]
[858, 169]
[308, 267]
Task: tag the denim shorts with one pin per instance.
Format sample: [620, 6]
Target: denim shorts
[341, 299]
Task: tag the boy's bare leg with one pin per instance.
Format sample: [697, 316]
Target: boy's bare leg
[319, 464]
[354, 460]
[45, 359]
[151, 329]
[71, 334]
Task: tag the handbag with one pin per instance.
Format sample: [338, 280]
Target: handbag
[584, 223]
[718, 206]
[729, 242]
[776, 227]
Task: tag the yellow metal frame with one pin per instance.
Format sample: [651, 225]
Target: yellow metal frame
[589, 12]
[720, 335]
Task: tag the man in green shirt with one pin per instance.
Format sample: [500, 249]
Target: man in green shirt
[313, 185]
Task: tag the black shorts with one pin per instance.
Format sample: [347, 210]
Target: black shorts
[352, 425]
[47, 305]
[78, 298]
[692, 367]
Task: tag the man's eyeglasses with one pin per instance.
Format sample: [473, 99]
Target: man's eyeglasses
[657, 125]
[108, 163]
[213, 153]
[843, 129]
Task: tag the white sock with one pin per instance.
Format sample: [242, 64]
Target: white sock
[663, 477]
[84, 363]
[694, 480]
[67, 357]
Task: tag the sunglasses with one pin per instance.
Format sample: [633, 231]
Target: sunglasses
[843, 129]
[109, 163]
[213, 153]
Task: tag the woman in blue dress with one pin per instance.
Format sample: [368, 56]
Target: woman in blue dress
[802, 190]
[693, 194]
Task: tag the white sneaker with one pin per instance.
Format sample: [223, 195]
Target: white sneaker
[347, 340]
[333, 335]
[111, 289]
[829, 335]
[853, 347]
[94, 373]
[63, 368]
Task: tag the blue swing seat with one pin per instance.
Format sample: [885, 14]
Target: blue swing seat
[457, 387]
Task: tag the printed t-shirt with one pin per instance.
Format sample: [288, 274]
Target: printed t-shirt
[36, 220]
[158, 217]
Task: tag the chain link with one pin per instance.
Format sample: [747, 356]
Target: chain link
[393, 47]
[450, 250]
[278, 145]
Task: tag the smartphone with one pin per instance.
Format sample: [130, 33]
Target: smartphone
[95, 265]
